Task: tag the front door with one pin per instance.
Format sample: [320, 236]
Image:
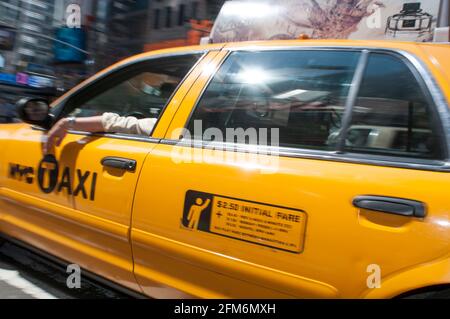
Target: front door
[76, 202]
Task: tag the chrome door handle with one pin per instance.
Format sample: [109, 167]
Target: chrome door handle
[120, 163]
[391, 205]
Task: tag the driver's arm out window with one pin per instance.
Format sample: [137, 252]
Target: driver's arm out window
[142, 93]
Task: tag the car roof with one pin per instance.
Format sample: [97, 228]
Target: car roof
[425, 51]
[397, 45]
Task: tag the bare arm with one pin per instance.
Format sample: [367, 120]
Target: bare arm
[107, 123]
[59, 130]
[88, 124]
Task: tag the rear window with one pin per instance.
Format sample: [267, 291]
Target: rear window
[393, 105]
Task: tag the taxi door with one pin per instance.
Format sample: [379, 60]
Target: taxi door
[42, 200]
[76, 202]
[309, 210]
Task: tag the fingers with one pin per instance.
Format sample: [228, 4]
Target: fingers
[60, 137]
[54, 138]
[45, 144]
[48, 143]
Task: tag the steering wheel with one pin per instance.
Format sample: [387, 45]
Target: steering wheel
[259, 109]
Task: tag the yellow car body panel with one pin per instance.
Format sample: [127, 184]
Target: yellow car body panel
[89, 229]
[131, 233]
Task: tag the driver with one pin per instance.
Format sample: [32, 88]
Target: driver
[112, 122]
[107, 123]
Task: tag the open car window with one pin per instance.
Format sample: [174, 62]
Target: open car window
[140, 91]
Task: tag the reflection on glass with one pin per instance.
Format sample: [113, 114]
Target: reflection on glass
[36, 110]
[300, 93]
[392, 115]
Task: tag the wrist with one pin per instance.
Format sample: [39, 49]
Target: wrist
[63, 124]
[69, 123]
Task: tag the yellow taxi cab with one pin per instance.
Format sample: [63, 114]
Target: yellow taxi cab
[277, 169]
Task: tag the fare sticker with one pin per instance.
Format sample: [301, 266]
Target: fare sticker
[262, 224]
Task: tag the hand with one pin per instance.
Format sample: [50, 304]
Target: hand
[55, 136]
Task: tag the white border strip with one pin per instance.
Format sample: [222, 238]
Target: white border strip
[13, 278]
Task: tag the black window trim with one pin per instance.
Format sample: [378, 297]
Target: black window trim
[352, 97]
[427, 82]
[329, 156]
[59, 110]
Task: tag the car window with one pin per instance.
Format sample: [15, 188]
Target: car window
[142, 92]
[301, 93]
[392, 115]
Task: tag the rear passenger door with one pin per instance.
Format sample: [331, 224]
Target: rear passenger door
[253, 192]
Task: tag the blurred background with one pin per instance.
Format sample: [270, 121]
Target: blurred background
[49, 46]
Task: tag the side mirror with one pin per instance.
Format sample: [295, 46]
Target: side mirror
[34, 111]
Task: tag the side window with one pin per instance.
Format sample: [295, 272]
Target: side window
[392, 115]
[142, 91]
[300, 93]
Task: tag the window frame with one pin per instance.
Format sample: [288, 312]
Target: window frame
[440, 118]
[195, 6]
[181, 14]
[64, 107]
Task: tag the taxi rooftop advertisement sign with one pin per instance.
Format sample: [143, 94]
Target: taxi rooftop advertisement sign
[327, 19]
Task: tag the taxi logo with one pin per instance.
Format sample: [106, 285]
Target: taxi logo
[50, 178]
[21, 173]
[48, 167]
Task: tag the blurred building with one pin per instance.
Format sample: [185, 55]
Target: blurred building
[26, 49]
[120, 27]
[74, 47]
[30, 20]
[180, 22]
[134, 26]
[171, 21]
[33, 34]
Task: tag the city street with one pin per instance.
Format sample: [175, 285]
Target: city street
[24, 275]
